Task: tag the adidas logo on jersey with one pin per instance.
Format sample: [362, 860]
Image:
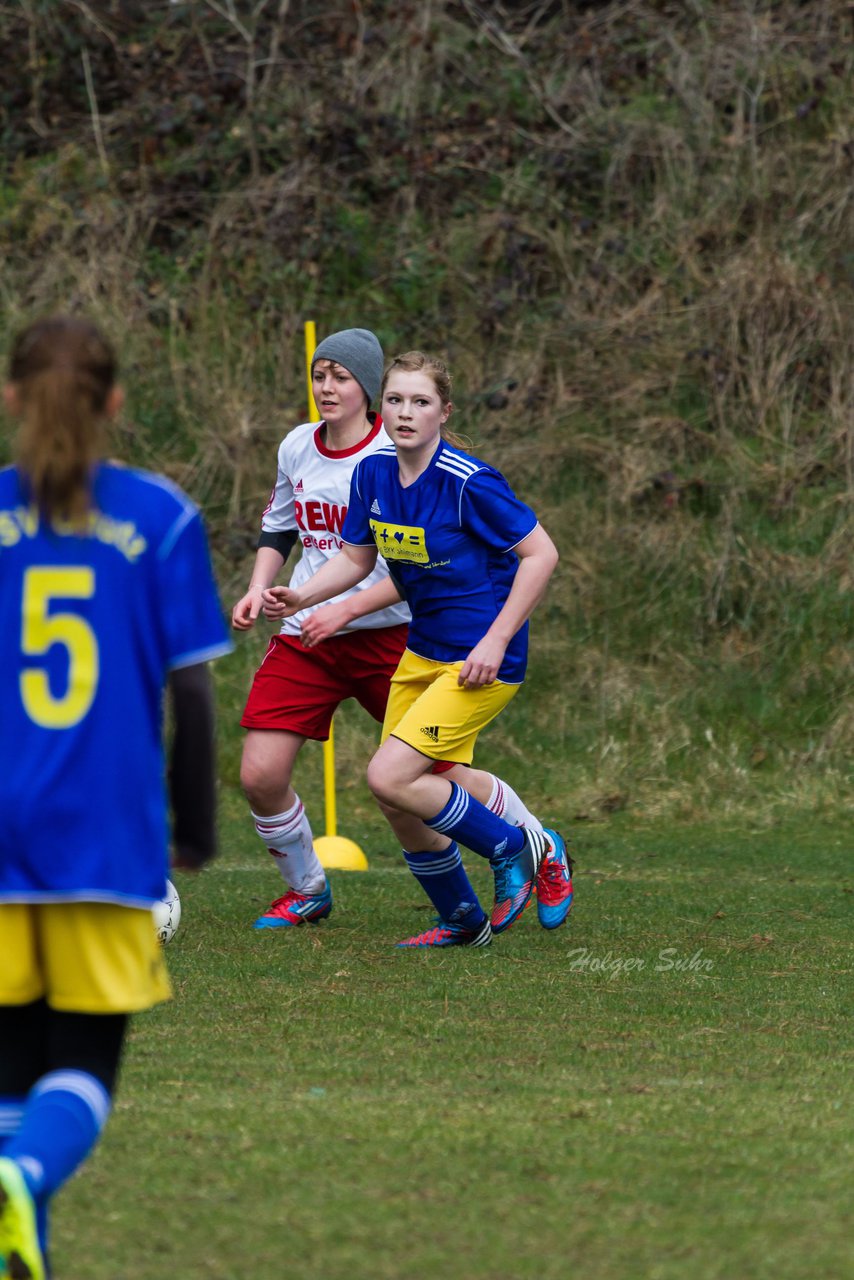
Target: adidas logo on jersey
[375, 508]
[298, 487]
[431, 731]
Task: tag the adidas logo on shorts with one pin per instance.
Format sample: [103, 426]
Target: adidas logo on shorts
[431, 731]
[375, 508]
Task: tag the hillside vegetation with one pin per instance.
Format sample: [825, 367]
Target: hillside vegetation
[629, 227]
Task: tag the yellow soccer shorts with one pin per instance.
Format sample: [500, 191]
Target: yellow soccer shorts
[82, 957]
[431, 712]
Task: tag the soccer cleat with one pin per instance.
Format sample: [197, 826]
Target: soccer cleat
[448, 933]
[296, 908]
[554, 883]
[21, 1257]
[514, 880]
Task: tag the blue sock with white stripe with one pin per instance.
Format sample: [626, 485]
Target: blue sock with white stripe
[467, 820]
[63, 1117]
[11, 1114]
[443, 878]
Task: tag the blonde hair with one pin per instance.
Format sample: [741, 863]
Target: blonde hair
[420, 362]
[62, 370]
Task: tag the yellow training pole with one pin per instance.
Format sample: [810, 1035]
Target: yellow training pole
[334, 851]
[310, 344]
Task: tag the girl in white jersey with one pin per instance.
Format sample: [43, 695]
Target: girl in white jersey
[349, 648]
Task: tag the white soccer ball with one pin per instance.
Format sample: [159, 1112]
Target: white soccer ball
[167, 914]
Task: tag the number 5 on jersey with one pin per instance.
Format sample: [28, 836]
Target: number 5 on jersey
[40, 629]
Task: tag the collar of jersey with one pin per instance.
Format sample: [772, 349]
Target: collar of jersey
[376, 427]
[429, 469]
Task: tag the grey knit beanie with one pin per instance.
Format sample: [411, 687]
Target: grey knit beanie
[360, 353]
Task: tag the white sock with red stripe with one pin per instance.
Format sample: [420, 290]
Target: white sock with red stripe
[288, 839]
[504, 802]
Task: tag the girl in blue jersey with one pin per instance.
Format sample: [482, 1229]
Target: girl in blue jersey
[106, 592]
[472, 562]
[349, 648]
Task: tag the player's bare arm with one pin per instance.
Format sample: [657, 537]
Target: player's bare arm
[343, 571]
[331, 618]
[268, 563]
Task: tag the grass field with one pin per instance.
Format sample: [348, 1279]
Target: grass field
[660, 1090]
[627, 226]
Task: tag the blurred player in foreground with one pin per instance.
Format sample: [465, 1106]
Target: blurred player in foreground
[107, 595]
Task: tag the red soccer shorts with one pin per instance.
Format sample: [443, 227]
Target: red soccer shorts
[299, 689]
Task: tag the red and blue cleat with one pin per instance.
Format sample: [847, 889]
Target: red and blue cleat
[514, 879]
[554, 883]
[449, 933]
[296, 908]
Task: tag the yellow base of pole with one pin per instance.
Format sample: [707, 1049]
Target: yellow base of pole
[337, 853]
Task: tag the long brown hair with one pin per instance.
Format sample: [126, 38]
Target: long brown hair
[62, 371]
[420, 362]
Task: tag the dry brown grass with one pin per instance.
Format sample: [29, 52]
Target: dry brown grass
[629, 228]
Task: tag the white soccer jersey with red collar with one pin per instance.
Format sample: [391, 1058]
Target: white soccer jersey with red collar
[311, 495]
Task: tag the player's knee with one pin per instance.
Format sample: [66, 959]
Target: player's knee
[250, 780]
[382, 783]
[260, 787]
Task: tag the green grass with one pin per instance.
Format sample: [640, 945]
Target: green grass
[633, 220]
[660, 1089]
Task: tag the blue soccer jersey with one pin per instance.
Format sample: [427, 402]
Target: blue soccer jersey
[448, 539]
[91, 627]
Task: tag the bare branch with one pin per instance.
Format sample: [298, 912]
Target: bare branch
[93, 108]
[502, 41]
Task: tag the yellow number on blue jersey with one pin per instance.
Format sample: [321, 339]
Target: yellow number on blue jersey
[40, 629]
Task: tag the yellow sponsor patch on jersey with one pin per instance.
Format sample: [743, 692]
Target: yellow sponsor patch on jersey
[400, 542]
